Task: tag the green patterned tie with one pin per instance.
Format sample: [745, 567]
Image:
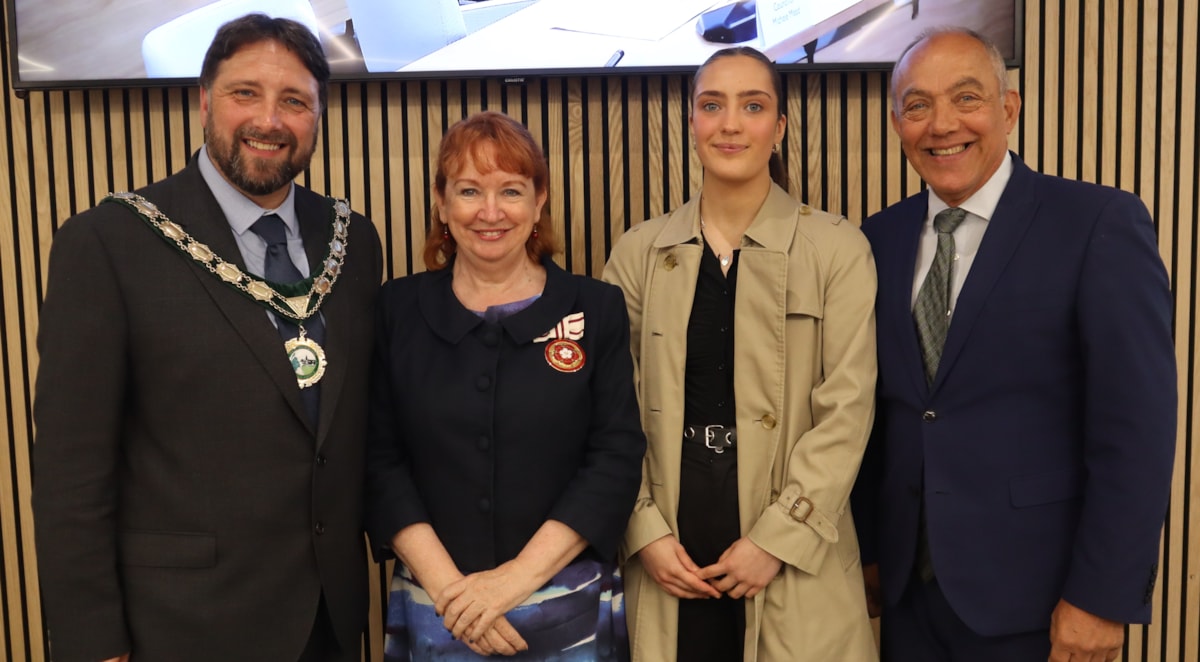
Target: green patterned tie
[932, 309]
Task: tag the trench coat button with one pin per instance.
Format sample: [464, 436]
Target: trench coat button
[768, 422]
[483, 443]
[491, 339]
[805, 210]
[321, 460]
[929, 416]
[669, 262]
[485, 505]
[483, 382]
[319, 529]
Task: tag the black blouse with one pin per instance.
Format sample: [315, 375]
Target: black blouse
[708, 378]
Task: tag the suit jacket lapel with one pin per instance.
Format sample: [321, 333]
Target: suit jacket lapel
[1006, 229]
[193, 207]
[898, 305]
[315, 215]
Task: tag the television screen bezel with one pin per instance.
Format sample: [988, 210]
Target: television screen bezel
[512, 77]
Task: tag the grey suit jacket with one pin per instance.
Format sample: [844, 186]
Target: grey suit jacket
[185, 507]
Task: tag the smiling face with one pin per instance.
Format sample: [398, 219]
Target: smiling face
[490, 212]
[735, 119]
[260, 117]
[951, 114]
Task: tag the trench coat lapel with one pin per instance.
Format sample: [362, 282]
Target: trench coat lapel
[760, 347]
[671, 287]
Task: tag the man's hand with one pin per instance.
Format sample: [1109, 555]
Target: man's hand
[874, 592]
[1078, 636]
[669, 565]
[743, 570]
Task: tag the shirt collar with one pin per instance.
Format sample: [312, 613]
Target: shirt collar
[450, 320]
[983, 202]
[241, 212]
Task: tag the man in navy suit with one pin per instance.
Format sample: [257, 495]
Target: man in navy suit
[1019, 471]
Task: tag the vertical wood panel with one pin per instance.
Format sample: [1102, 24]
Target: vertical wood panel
[1109, 96]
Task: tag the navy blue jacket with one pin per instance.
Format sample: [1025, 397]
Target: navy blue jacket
[473, 431]
[1044, 447]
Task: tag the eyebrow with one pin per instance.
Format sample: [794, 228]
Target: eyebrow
[522, 181]
[249, 82]
[965, 81]
[740, 95]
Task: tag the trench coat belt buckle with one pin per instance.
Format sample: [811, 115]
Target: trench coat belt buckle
[715, 437]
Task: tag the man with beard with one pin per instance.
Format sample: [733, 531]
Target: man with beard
[201, 396]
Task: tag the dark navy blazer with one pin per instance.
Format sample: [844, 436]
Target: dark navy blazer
[473, 431]
[1044, 447]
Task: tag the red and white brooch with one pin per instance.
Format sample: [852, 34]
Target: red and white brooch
[563, 353]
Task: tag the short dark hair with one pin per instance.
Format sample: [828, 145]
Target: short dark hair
[489, 141]
[776, 165]
[254, 28]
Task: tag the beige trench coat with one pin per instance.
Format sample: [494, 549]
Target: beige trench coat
[804, 374]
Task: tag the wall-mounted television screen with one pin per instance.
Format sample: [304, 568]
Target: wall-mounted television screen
[104, 43]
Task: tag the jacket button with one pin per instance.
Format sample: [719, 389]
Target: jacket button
[321, 460]
[485, 505]
[669, 261]
[482, 443]
[319, 529]
[768, 422]
[490, 339]
[929, 416]
[483, 382]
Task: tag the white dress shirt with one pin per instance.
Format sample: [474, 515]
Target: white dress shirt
[967, 237]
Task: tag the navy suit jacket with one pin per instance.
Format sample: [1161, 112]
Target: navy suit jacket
[1043, 448]
[473, 432]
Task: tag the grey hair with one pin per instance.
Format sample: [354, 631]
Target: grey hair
[993, 52]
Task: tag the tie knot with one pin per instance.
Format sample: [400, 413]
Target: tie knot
[948, 220]
[271, 228]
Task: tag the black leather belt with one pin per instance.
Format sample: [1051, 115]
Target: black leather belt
[714, 437]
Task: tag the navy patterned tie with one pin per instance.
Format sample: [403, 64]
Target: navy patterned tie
[932, 309]
[279, 268]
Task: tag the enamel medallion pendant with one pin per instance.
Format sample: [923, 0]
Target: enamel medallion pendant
[307, 358]
[564, 355]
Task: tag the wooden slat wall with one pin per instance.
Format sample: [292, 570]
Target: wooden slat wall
[1110, 96]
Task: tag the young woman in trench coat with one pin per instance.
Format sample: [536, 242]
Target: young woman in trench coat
[741, 543]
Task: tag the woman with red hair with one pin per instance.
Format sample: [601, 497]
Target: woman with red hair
[505, 447]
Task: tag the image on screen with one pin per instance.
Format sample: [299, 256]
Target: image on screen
[96, 43]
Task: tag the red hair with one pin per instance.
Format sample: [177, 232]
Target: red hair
[489, 141]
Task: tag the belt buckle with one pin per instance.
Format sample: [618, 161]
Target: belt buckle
[710, 437]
